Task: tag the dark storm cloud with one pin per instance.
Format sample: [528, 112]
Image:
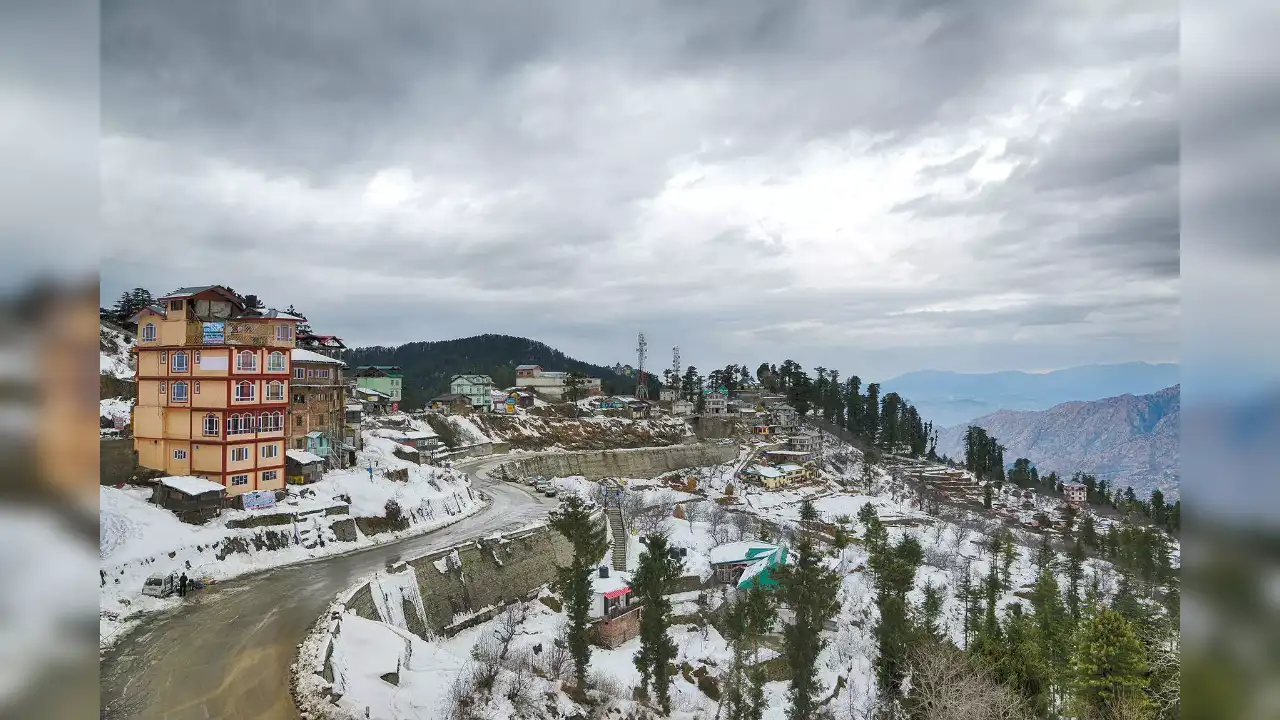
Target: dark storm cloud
[540, 141]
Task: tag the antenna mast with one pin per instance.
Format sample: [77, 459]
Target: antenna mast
[642, 387]
[675, 368]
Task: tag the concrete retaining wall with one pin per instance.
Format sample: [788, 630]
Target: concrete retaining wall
[491, 572]
[638, 463]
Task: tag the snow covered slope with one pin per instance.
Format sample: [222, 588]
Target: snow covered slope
[115, 360]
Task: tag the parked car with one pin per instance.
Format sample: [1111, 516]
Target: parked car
[535, 480]
[161, 585]
[549, 490]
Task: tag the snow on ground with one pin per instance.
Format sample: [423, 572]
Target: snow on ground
[114, 357]
[953, 546]
[137, 538]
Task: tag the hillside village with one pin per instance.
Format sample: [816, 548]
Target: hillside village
[759, 482]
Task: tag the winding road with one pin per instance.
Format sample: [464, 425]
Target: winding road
[226, 652]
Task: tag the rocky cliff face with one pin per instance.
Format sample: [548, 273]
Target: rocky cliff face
[1127, 440]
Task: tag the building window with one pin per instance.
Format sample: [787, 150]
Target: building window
[323, 373]
[239, 454]
[299, 373]
[179, 454]
[164, 357]
[211, 425]
[197, 387]
[246, 361]
[301, 443]
[299, 399]
[311, 373]
[180, 392]
[175, 305]
[275, 362]
[270, 475]
[284, 331]
[179, 362]
[164, 387]
[239, 424]
[197, 357]
[270, 451]
[275, 390]
[149, 332]
[239, 479]
[322, 420]
[271, 422]
[245, 390]
[297, 421]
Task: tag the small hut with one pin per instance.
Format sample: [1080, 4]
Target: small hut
[194, 500]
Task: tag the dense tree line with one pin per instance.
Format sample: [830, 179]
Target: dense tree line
[1065, 650]
[888, 423]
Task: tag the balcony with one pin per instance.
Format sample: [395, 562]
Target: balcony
[233, 333]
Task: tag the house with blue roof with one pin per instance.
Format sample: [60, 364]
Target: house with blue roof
[749, 562]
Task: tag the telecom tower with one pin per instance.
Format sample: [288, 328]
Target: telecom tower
[642, 387]
[675, 368]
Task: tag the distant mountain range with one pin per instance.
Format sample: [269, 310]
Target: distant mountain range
[1129, 440]
[429, 366]
[949, 398]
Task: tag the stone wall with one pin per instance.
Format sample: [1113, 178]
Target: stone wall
[637, 463]
[118, 463]
[711, 427]
[491, 572]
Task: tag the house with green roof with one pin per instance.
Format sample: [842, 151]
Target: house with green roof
[746, 563]
[385, 379]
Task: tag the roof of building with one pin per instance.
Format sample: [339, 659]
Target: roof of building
[765, 471]
[736, 552]
[302, 456]
[353, 407]
[528, 367]
[369, 391]
[301, 355]
[315, 434]
[477, 379]
[616, 584]
[191, 485]
[391, 370]
[449, 397]
[186, 292]
[789, 453]
[777, 557]
[789, 468]
[418, 434]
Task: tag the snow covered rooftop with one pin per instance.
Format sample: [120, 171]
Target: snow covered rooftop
[418, 434]
[302, 456]
[191, 485]
[302, 355]
[741, 551]
[616, 584]
[355, 407]
[766, 471]
[789, 468]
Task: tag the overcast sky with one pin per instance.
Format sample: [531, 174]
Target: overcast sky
[878, 186]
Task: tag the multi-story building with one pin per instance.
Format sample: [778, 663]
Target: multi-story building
[386, 379]
[1075, 493]
[716, 402]
[475, 388]
[551, 383]
[317, 405]
[213, 388]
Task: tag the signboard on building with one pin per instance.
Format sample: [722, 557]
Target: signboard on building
[215, 333]
[258, 499]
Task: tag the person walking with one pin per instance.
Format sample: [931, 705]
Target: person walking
[182, 585]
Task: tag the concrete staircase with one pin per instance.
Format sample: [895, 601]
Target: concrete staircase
[619, 538]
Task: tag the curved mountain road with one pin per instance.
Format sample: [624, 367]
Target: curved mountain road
[226, 652]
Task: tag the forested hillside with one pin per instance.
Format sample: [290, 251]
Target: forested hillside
[428, 366]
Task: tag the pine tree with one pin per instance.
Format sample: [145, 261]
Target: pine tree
[1022, 663]
[986, 496]
[1109, 664]
[1075, 573]
[573, 520]
[811, 591]
[303, 328]
[653, 580]
[893, 572]
[1053, 623]
[253, 302]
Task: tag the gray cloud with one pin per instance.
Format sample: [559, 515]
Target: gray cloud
[722, 175]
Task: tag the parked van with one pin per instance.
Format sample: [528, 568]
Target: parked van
[161, 585]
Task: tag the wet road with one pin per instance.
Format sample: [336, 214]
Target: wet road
[226, 653]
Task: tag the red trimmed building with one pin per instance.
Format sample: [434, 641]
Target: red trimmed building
[213, 388]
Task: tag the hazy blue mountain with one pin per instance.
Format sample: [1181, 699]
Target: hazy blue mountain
[1130, 440]
[948, 398]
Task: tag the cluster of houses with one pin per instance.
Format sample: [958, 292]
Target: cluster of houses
[615, 611]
